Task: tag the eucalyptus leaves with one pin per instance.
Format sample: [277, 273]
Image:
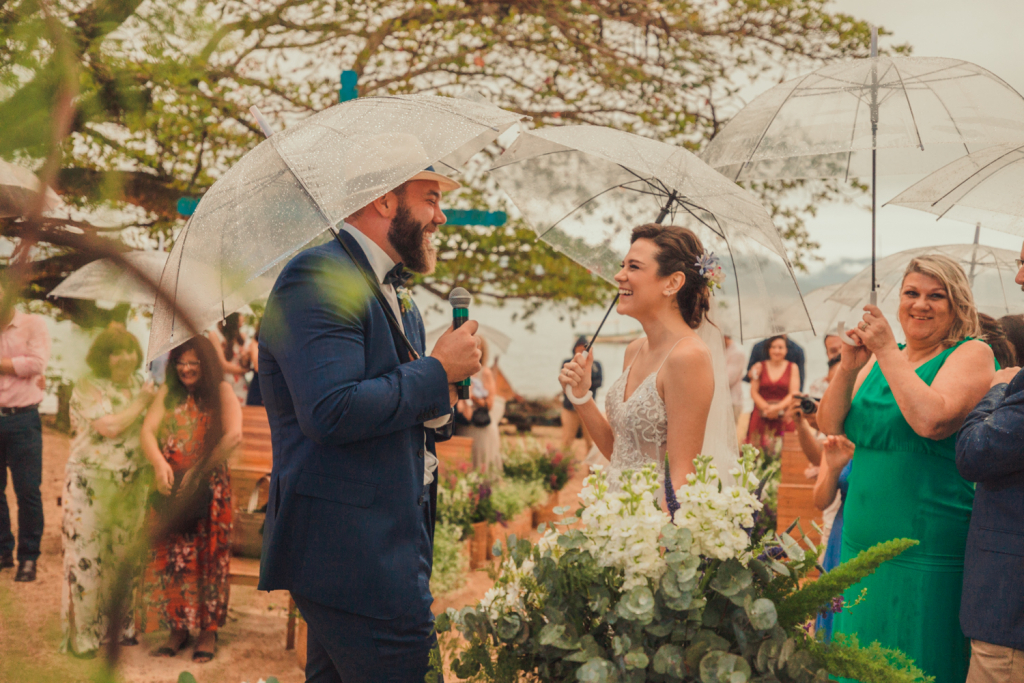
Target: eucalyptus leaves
[621, 594]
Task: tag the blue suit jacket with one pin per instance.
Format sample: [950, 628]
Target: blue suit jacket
[990, 451]
[349, 522]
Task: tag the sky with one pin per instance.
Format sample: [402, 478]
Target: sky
[986, 32]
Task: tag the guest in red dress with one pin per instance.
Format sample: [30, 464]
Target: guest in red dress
[193, 425]
[773, 385]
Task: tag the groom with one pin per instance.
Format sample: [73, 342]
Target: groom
[354, 413]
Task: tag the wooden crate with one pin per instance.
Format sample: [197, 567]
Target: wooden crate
[796, 491]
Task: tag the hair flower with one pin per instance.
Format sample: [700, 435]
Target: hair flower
[711, 270]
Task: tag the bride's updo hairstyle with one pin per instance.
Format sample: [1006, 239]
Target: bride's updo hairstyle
[678, 251]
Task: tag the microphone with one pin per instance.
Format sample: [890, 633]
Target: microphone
[460, 299]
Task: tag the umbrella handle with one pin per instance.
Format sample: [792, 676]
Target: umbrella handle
[606, 314]
[844, 335]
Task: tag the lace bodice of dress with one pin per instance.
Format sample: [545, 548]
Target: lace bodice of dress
[639, 425]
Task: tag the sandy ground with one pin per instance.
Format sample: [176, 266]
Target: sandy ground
[252, 643]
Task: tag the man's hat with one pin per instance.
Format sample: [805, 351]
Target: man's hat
[446, 183]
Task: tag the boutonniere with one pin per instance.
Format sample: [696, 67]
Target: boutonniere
[404, 299]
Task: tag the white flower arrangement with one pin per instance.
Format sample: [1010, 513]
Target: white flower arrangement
[623, 527]
[717, 517]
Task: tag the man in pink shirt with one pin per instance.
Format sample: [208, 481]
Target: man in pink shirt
[24, 352]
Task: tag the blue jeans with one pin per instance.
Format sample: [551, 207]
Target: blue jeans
[21, 451]
[347, 648]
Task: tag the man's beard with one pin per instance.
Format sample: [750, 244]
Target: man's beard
[411, 241]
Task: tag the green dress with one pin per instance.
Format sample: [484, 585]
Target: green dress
[907, 486]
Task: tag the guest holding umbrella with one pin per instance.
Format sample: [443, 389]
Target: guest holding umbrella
[192, 427]
[105, 487]
[902, 406]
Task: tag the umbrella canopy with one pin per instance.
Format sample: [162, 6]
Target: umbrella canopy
[498, 340]
[106, 280]
[283, 195]
[990, 271]
[584, 188]
[983, 187]
[19, 190]
[924, 111]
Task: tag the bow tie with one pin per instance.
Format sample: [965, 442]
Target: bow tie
[397, 276]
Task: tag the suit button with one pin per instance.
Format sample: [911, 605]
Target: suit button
[423, 499]
[420, 452]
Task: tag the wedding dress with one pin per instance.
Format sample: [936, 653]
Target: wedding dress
[640, 423]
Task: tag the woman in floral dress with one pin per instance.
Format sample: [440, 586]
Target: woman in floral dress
[191, 429]
[105, 488]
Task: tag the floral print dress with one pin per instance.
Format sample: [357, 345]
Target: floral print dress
[104, 502]
[186, 581]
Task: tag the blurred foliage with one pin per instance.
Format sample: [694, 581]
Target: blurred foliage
[164, 89]
[450, 563]
[527, 459]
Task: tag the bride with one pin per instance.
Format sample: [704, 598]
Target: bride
[667, 399]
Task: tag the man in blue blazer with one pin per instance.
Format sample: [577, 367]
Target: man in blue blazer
[990, 451]
[354, 409]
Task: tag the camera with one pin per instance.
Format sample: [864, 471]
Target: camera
[808, 405]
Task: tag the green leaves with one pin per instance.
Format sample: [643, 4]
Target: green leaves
[761, 613]
[668, 661]
[597, 671]
[733, 580]
[637, 605]
[805, 602]
[723, 667]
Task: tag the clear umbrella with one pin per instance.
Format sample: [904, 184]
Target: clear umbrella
[584, 188]
[106, 280]
[990, 270]
[982, 188]
[283, 196]
[19, 189]
[918, 113]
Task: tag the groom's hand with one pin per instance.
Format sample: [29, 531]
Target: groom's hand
[459, 352]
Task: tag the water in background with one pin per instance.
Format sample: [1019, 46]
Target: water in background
[539, 344]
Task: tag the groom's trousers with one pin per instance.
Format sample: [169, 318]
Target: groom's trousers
[348, 648]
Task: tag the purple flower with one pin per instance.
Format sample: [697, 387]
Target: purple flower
[670, 495]
[837, 604]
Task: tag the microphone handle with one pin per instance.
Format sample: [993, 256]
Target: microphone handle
[460, 316]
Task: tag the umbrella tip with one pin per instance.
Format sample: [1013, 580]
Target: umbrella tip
[874, 40]
[260, 119]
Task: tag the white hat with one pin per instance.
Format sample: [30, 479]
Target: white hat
[446, 183]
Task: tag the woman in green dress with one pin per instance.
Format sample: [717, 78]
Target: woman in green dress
[902, 406]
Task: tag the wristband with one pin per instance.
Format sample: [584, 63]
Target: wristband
[578, 401]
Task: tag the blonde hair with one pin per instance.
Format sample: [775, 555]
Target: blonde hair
[958, 289]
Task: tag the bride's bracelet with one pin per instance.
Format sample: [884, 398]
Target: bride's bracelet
[578, 401]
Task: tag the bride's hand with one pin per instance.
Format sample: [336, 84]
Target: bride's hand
[576, 374]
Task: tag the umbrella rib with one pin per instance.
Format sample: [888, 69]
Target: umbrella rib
[686, 205]
[853, 134]
[920, 143]
[962, 182]
[575, 209]
[764, 132]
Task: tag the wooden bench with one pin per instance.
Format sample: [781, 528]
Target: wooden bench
[455, 452]
[796, 491]
[248, 465]
[245, 571]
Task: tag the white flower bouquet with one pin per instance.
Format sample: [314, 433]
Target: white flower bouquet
[624, 592]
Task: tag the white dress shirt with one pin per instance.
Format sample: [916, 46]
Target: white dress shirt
[381, 264]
